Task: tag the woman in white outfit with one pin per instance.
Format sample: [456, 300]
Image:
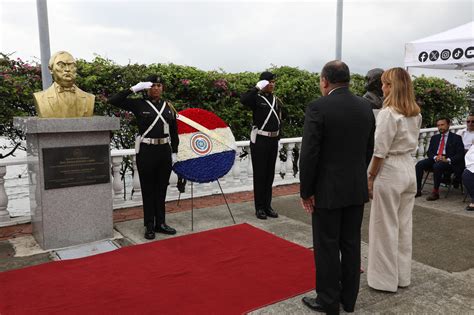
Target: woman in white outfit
[392, 184]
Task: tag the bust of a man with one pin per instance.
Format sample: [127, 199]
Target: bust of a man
[63, 99]
[373, 85]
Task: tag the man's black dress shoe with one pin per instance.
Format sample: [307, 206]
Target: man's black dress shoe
[469, 208]
[347, 309]
[260, 213]
[149, 233]
[433, 197]
[165, 229]
[315, 306]
[418, 194]
[271, 213]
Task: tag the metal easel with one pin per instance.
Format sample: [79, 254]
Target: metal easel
[192, 204]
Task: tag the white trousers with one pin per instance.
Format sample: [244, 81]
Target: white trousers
[390, 226]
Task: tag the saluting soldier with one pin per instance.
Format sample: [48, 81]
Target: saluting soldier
[156, 147]
[266, 126]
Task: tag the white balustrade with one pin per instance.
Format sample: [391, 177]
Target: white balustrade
[117, 186]
[236, 169]
[4, 215]
[238, 179]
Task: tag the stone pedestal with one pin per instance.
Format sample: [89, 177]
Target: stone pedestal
[69, 178]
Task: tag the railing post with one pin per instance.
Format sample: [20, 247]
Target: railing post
[173, 182]
[117, 182]
[289, 159]
[249, 177]
[236, 168]
[421, 145]
[4, 215]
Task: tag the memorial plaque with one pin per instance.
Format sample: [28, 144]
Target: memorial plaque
[76, 166]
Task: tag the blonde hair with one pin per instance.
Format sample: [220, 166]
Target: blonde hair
[401, 96]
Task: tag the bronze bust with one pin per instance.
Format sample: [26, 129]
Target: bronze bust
[63, 99]
[373, 85]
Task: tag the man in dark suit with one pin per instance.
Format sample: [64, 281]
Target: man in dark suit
[445, 156]
[337, 146]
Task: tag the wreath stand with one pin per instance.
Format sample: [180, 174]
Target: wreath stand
[192, 204]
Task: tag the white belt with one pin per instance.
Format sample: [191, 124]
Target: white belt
[155, 140]
[271, 134]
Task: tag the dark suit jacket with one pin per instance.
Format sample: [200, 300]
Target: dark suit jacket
[454, 148]
[337, 145]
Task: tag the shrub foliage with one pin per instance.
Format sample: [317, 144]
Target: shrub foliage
[186, 87]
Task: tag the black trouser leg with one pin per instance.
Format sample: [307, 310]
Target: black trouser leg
[458, 170]
[326, 233]
[468, 182]
[163, 173]
[336, 237]
[264, 154]
[258, 166]
[154, 169]
[350, 254]
[421, 166]
[271, 153]
[439, 168]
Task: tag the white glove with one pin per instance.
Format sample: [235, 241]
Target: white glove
[141, 86]
[262, 84]
[174, 158]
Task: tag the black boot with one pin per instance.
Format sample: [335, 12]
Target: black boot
[149, 233]
[165, 229]
[260, 213]
[271, 213]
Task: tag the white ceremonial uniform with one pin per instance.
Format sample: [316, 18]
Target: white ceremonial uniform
[390, 227]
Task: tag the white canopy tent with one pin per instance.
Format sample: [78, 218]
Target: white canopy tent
[452, 49]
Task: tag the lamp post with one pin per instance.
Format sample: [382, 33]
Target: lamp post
[43, 28]
[339, 30]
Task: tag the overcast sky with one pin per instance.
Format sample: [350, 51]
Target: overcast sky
[232, 35]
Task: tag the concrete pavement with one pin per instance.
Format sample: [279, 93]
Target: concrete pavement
[443, 261]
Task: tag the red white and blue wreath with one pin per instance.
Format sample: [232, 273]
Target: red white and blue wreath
[207, 146]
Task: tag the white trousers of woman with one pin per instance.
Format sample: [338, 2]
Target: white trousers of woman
[390, 226]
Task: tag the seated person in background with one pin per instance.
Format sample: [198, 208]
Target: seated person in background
[445, 155]
[468, 176]
[467, 133]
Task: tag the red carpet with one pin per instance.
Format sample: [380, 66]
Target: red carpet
[230, 270]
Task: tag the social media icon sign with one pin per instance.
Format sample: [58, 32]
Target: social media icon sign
[434, 55]
[458, 53]
[445, 54]
[469, 52]
[423, 56]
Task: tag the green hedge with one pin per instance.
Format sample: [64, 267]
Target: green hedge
[186, 87]
[439, 98]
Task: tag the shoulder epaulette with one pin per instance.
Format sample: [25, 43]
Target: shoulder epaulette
[279, 100]
[172, 108]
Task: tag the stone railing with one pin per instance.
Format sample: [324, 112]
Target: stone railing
[425, 136]
[126, 189]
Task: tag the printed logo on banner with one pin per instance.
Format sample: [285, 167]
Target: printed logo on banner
[434, 55]
[201, 144]
[457, 53]
[445, 54]
[423, 56]
[469, 52]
